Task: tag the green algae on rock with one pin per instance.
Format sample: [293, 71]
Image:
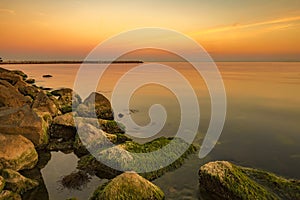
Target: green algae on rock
[128, 186]
[229, 181]
[9, 195]
[15, 182]
[119, 157]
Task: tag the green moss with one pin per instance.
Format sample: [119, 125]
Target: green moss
[128, 186]
[16, 182]
[49, 94]
[9, 195]
[229, 181]
[283, 188]
[146, 162]
[66, 109]
[111, 126]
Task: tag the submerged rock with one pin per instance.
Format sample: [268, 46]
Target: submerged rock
[127, 186]
[75, 180]
[16, 182]
[47, 76]
[228, 181]
[17, 152]
[9, 195]
[25, 122]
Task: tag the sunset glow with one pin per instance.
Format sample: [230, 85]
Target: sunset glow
[231, 31]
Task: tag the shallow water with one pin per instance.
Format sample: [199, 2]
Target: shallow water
[261, 129]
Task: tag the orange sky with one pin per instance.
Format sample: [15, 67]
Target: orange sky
[228, 30]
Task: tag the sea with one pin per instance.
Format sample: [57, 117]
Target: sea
[261, 127]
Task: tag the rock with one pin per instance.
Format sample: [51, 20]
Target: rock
[109, 126]
[96, 106]
[10, 97]
[93, 138]
[63, 127]
[20, 73]
[17, 152]
[15, 182]
[43, 103]
[9, 195]
[228, 181]
[26, 122]
[2, 183]
[43, 158]
[47, 76]
[128, 185]
[118, 157]
[10, 77]
[30, 81]
[27, 90]
[66, 99]
[79, 148]
[38, 193]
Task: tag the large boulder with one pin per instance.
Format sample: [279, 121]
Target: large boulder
[25, 122]
[228, 181]
[67, 99]
[127, 186]
[42, 103]
[96, 106]
[17, 153]
[16, 182]
[10, 97]
[9, 195]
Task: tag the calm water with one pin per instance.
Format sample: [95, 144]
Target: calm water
[261, 129]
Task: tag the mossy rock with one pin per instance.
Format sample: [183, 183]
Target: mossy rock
[16, 182]
[20, 73]
[171, 153]
[9, 195]
[118, 157]
[229, 181]
[128, 186]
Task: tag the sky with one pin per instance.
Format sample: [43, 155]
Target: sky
[232, 30]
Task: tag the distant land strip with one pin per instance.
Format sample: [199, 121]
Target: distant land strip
[71, 62]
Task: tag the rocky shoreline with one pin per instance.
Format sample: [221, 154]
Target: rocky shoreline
[35, 121]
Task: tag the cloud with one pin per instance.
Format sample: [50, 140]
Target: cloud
[7, 11]
[250, 25]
